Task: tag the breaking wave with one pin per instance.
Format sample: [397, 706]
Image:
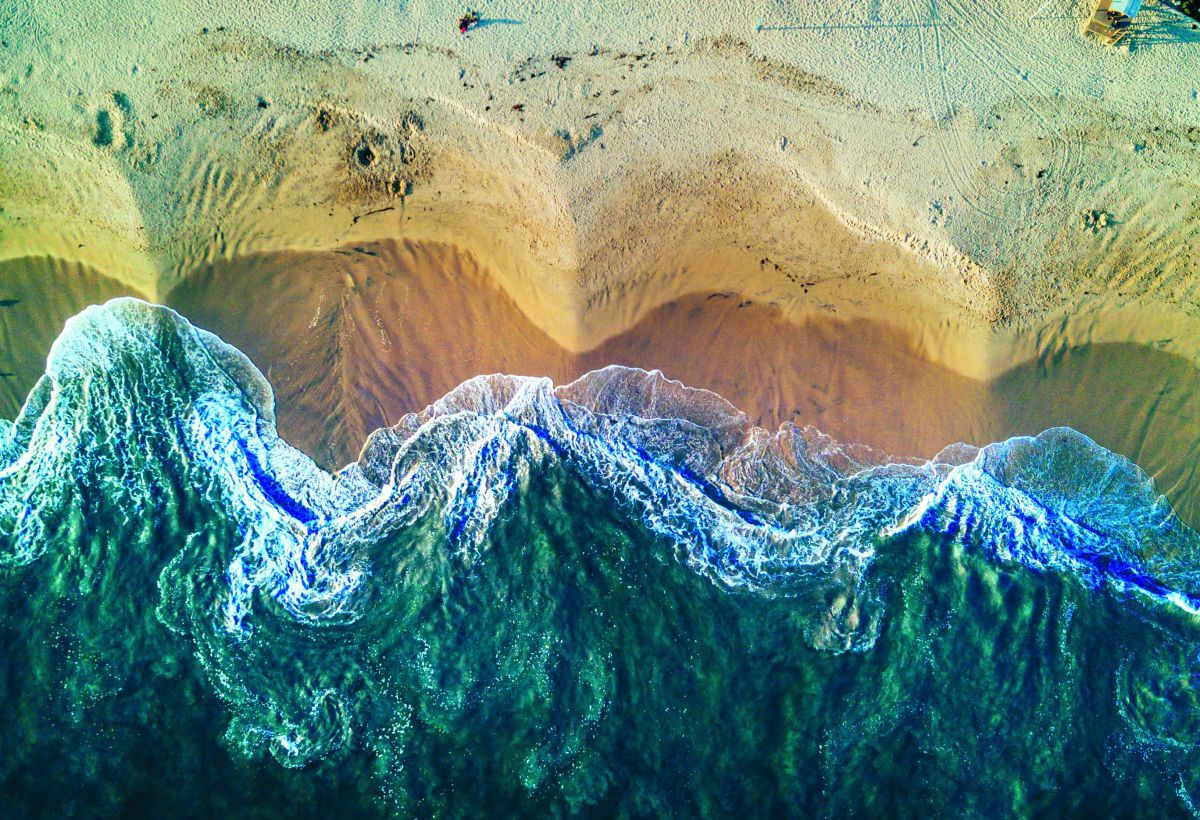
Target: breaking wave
[150, 446]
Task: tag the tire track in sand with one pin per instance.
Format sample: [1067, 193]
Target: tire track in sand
[988, 52]
[955, 165]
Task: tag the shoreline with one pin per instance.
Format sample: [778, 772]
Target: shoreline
[979, 199]
[358, 339]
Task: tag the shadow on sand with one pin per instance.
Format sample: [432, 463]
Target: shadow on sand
[1166, 24]
[498, 21]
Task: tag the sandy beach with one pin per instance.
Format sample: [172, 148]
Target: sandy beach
[907, 224]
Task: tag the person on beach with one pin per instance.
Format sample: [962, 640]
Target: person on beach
[468, 21]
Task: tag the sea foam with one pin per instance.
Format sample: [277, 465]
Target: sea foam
[787, 512]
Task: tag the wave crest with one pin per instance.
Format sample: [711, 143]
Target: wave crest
[141, 418]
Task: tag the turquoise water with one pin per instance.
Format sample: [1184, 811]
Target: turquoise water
[612, 597]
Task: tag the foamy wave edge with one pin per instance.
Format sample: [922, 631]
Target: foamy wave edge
[790, 512]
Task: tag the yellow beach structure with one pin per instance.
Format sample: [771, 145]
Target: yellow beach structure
[1112, 19]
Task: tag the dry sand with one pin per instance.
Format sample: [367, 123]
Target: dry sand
[968, 174]
[914, 199]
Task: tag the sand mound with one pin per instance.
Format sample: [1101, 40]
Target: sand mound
[355, 338]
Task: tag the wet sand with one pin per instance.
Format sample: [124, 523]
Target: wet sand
[37, 296]
[353, 339]
[357, 338]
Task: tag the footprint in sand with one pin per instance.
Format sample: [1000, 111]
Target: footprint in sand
[114, 123]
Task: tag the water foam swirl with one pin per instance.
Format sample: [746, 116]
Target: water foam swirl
[137, 404]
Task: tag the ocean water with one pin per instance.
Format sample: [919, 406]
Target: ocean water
[614, 597]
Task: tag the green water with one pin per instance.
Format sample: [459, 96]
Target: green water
[533, 608]
[579, 667]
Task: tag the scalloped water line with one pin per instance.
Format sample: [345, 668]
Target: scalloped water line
[1098, 521]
